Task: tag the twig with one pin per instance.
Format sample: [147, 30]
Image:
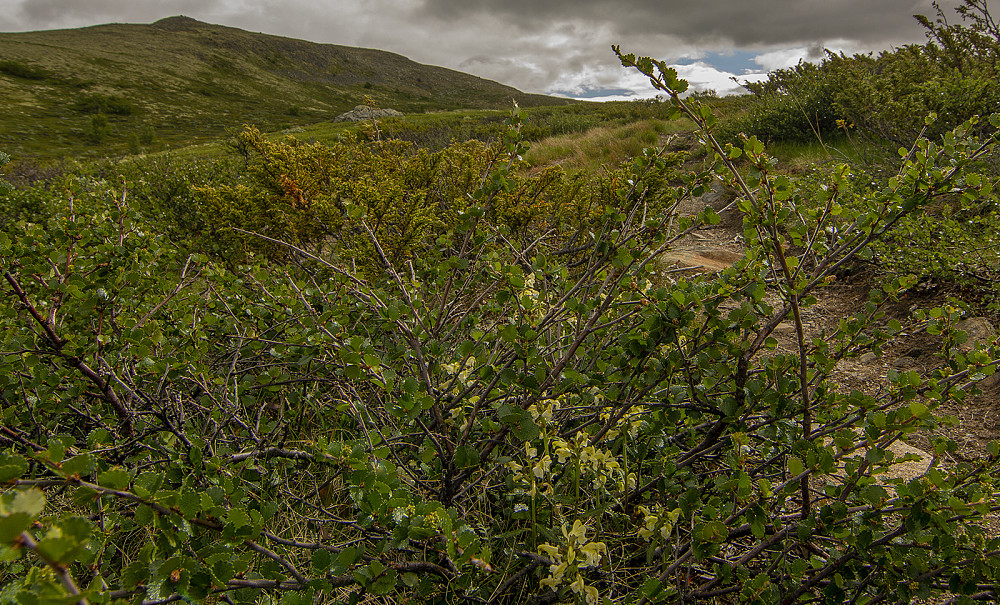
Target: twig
[61, 571]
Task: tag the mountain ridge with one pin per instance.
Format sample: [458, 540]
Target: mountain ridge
[174, 74]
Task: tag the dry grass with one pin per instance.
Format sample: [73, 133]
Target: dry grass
[601, 146]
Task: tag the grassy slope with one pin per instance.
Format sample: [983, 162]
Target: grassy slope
[190, 80]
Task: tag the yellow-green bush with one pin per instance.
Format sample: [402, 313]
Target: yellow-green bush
[325, 198]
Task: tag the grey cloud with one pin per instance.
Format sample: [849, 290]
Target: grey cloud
[815, 52]
[534, 45]
[73, 13]
[743, 23]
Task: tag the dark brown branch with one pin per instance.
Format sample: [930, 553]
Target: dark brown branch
[56, 343]
[270, 554]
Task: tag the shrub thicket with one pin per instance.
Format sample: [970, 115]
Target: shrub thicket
[20, 69]
[312, 196]
[878, 104]
[104, 104]
[4, 160]
[437, 131]
[432, 392]
[953, 75]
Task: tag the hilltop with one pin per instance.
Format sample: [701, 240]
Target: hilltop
[182, 80]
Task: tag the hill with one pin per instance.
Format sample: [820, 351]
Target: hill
[181, 80]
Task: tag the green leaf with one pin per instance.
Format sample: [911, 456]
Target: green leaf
[238, 518]
[745, 485]
[144, 515]
[12, 466]
[714, 532]
[223, 570]
[189, 503]
[195, 456]
[76, 528]
[78, 466]
[200, 584]
[652, 589]
[12, 525]
[795, 466]
[115, 478]
[134, 573]
[305, 597]
[875, 494]
[349, 556]
[526, 430]
[147, 484]
[321, 560]
[64, 543]
[57, 449]
[83, 495]
[30, 501]
[384, 584]
[466, 456]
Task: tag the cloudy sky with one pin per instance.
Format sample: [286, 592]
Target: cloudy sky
[546, 46]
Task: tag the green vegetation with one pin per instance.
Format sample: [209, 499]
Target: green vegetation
[191, 80]
[4, 185]
[417, 361]
[862, 109]
[17, 69]
[953, 76]
[104, 104]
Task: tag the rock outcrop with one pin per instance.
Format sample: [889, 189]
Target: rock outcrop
[364, 112]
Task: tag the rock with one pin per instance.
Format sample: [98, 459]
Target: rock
[717, 196]
[364, 112]
[910, 469]
[905, 363]
[706, 258]
[898, 469]
[991, 381]
[981, 333]
[868, 357]
[785, 327]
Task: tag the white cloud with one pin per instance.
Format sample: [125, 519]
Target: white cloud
[783, 58]
[702, 76]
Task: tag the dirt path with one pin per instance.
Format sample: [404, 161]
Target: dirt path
[715, 248]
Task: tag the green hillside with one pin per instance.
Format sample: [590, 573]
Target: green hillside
[181, 80]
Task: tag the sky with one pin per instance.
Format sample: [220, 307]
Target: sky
[560, 47]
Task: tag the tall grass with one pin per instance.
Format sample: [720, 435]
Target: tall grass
[603, 145]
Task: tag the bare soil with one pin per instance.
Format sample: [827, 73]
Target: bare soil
[714, 248]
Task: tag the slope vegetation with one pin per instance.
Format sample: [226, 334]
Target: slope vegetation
[181, 79]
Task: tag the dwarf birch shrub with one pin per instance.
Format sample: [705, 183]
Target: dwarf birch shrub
[312, 196]
[882, 99]
[481, 417]
[4, 159]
